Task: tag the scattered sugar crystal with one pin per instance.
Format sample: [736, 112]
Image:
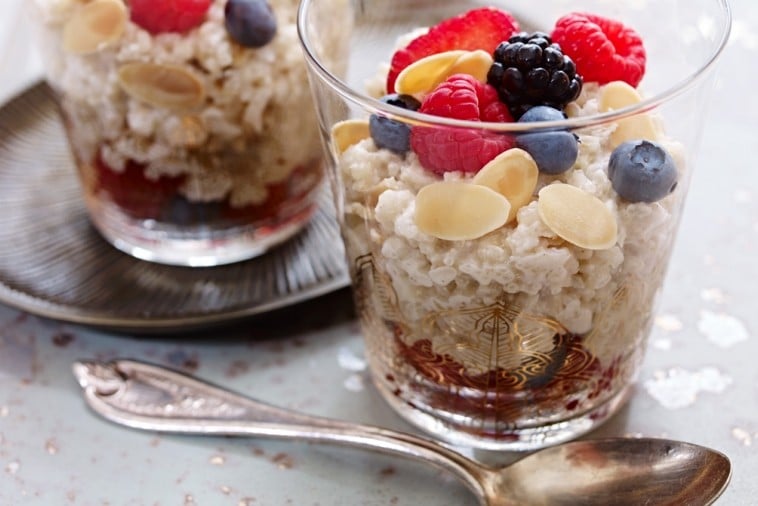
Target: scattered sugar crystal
[350, 361]
[715, 295]
[678, 388]
[51, 447]
[742, 436]
[668, 322]
[13, 467]
[354, 383]
[661, 344]
[722, 329]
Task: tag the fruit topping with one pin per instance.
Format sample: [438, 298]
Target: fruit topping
[482, 28]
[531, 70]
[94, 25]
[349, 132]
[444, 149]
[168, 86]
[391, 134]
[159, 16]
[512, 174]
[458, 211]
[603, 49]
[542, 113]
[555, 151]
[250, 22]
[617, 95]
[135, 194]
[577, 216]
[642, 171]
[474, 63]
[426, 74]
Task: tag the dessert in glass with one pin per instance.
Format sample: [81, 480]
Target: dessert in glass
[190, 121]
[509, 181]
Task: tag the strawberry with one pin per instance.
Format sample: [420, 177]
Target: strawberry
[444, 149]
[482, 28]
[159, 16]
[603, 49]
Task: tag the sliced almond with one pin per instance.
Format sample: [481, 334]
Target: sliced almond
[458, 211]
[476, 63]
[94, 25]
[639, 127]
[513, 174]
[617, 95]
[349, 132]
[168, 86]
[425, 74]
[577, 216]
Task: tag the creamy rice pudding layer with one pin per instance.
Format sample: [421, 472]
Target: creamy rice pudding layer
[255, 126]
[524, 262]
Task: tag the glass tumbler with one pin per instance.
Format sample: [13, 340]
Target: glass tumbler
[507, 246]
[190, 122]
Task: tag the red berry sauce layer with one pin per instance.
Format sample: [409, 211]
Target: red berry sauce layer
[161, 199]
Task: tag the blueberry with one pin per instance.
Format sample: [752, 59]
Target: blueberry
[541, 113]
[250, 22]
[642, 171]
[391, 134]
[554, 152]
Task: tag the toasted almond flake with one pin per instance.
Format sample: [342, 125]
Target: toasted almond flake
[513, 174]
[349, 132]
[425, 74]
[475, 63]
[94, 25]
[639, 127]
[617, 95]
[169, 86]
[577, 216]
[458, 211]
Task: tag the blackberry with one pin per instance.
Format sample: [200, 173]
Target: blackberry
[531, 70]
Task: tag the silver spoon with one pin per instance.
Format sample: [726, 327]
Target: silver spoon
[620, 471]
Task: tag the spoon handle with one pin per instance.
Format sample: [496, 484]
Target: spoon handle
[153, 398]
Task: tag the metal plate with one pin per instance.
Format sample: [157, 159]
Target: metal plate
[54, 264]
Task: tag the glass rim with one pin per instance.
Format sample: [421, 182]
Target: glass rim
[374, 106]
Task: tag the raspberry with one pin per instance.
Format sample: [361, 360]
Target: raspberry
[159, 16]
[441, 149]
[603, 49]
[482, 28]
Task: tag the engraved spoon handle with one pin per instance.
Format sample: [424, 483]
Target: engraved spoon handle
[153, 398]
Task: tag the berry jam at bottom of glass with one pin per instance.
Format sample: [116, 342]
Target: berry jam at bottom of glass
[152, 220]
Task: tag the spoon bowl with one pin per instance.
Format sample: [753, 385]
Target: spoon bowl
[621, 471]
